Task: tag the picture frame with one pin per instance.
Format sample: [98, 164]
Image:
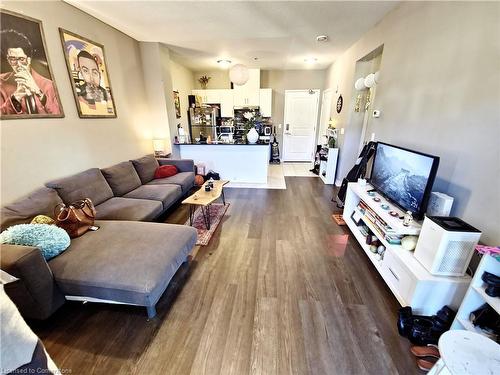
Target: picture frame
[28, 89]
[89, 76]
[177, 102]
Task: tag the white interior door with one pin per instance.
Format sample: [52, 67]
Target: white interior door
[301, 117]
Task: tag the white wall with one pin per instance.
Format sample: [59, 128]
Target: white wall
[439, 93]
[219, 79]
[35, 151]
[281, 80]
[157, 117]
[183, 82]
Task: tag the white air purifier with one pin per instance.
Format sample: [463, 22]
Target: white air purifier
[445, 245]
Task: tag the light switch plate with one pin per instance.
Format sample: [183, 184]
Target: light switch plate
[341, 130]
[376, 113]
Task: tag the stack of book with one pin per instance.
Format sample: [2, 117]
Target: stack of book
[383, 229]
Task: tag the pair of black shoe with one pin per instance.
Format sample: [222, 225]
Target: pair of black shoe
[492, 284]
[424, 330]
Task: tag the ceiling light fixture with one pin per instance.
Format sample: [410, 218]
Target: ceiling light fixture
[224, 63]
[322, 38]
[310, 60]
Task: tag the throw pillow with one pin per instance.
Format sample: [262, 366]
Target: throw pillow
[42, 219]
[166, 171]
[51, 240]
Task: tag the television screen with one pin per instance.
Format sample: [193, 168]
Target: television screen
[404, 176]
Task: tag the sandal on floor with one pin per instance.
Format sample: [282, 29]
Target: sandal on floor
[425, 351]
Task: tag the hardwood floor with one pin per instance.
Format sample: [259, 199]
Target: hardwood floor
[281, 289]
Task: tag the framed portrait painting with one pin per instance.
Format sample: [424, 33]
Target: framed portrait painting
[89, 76]
[27, 85]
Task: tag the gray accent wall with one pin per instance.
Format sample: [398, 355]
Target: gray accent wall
[439, 93]
[34, 151]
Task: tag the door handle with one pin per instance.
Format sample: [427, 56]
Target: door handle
[394, 274]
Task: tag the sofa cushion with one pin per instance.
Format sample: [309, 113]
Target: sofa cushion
[93, 265]
[42, 201]
[87, 184]
[122, 178]
[145, 167]
[167, 194]
[119, 208]
[184, 179]
[166, 171]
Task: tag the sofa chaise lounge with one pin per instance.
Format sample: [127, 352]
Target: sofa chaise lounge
[129, 260]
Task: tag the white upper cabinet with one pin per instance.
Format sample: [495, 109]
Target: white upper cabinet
[226, 103]
[266, 102]
[208, 96]
[224, 97]
[248, 94]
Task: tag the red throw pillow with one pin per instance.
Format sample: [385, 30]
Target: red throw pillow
[166, 171]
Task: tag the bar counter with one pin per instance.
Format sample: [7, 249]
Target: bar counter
[234, 162]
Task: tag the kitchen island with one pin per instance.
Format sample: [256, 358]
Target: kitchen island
[234, 162]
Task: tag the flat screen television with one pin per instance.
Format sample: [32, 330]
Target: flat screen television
[404, 176]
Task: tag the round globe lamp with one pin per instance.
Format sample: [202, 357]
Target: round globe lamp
[238, 74]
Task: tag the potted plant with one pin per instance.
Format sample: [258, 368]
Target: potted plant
[251, 134]
[204, 81]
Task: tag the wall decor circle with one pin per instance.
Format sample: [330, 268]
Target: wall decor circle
[340, 103]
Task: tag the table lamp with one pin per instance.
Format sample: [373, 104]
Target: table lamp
[159, 147]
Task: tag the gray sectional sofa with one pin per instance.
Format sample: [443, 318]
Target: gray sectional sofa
[129, 260]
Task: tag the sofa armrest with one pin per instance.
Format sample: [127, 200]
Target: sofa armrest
[35, 293]
[183, 165]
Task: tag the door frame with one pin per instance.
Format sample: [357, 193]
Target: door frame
[329, 115]
[317, 93]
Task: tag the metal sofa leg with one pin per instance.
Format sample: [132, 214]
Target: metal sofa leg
[151, 311]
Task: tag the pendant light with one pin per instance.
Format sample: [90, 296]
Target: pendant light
[238, 74]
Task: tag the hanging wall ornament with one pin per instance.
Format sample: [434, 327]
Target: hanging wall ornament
[368, 100]
[357, 105]
[340, 103]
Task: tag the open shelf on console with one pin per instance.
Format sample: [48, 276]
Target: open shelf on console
[413, 285]
[395, 222]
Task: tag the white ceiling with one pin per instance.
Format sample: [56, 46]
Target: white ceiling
[280, 34]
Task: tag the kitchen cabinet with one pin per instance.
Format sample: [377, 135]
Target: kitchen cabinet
[226, 103]
[266, 102]
[248, 94]
[224, 97]
[208, 96]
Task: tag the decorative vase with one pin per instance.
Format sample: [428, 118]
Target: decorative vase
[252, 136]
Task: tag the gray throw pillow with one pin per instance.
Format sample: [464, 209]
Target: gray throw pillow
[146, 167]
[87, 184]
[42, 201]
[122, 178]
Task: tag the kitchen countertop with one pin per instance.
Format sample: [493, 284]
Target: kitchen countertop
[222, 144]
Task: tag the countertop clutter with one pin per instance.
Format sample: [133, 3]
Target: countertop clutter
[225, 144]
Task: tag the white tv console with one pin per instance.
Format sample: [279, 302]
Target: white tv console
[409, 281]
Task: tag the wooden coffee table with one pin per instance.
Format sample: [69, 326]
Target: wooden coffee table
[205, 199]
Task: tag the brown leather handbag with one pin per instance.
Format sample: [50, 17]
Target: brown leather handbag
[76, 218]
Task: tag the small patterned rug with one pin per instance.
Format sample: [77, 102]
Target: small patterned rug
[217, 211]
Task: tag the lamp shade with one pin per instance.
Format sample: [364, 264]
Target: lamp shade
[370, 80]
[158, 145]
[360, 84]
[238, 74]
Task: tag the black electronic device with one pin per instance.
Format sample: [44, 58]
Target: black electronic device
[404, 176]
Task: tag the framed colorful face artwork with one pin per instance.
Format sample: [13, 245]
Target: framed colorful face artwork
[27, 86]
[89, 76]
